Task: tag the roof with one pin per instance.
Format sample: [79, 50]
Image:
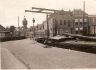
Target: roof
[91, 15]
[79, 12]
[2, 29]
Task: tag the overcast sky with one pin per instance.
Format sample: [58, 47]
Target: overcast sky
[11, 9]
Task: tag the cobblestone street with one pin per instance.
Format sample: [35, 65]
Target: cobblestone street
[32, 55]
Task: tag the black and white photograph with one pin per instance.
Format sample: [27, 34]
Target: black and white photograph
[47, 34]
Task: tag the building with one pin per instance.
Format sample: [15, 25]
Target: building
[92, 24]
[4, 32]
[80, 22]
[60, 22]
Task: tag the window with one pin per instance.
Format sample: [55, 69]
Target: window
[64, 22]
[40, 28]
[81, 20]
[60, 22]
[43, 26]
[53, 20]
[56, 22]
[68, 22]
[80, 23]
[85, 20]
[76, 20]
[76, 29]
[77, 32]
[85, 23]
[76, 23]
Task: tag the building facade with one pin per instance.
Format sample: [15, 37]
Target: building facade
[80, 22]
[4, 32]
[92, 24]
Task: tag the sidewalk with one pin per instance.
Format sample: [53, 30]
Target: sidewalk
[9, 61]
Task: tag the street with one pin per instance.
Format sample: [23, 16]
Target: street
[32, 55]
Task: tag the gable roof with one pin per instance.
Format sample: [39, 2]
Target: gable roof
[2, 29]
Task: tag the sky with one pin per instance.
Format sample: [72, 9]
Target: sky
[11, 9]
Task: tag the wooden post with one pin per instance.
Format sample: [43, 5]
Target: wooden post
[47, 26]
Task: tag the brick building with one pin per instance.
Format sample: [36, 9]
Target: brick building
[80, 21]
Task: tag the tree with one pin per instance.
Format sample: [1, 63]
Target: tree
[12, 29]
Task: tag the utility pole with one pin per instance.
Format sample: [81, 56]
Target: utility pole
[83, 17]
[18, 21]
[18, 27]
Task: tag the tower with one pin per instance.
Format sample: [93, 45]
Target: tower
[24, 26]
[25, 23]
